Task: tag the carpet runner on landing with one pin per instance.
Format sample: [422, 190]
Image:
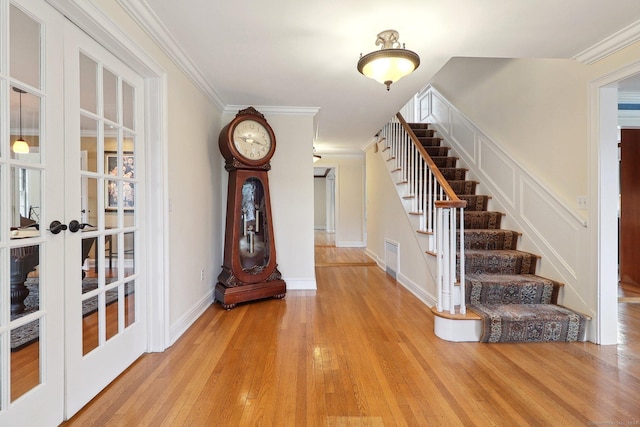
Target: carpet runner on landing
[501, 286]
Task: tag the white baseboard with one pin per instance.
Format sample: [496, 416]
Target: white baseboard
[300, 284]
[185, 322]
[412, 287]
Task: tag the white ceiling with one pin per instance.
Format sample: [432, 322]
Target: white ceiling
[303, 53]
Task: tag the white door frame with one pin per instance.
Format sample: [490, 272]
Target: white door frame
[92, 21]
[603, 217]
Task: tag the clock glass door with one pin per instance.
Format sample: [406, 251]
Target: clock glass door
[254, 243]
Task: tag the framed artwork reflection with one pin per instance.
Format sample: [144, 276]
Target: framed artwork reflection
[127, 171]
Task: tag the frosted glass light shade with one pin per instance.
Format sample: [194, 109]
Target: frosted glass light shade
[20, 146]
[390, 63]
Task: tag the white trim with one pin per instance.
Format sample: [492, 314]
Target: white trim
[266, 109]
[147, 19]
[610, 45]
[186, 320]
[602, 93]
[416, 290]
[294, 284]
[106, 32]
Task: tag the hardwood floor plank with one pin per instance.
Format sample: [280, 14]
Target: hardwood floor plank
[361, 351]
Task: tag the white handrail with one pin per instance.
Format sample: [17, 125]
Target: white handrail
[440, 211]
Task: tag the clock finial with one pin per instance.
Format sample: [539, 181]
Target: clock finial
[250, 110]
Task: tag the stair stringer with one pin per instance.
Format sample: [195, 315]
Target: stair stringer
[511, 188]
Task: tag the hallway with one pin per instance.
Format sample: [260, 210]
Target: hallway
[361, 351]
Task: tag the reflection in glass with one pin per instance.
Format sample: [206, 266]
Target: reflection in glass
[25, 123]
[110, 94]
[89, 324]
[88, 84]
[111, 261]
[89, 267]
[24, 281]
[129, 218]
[89, 202]
[25, 358]
[89, 144]
[111, 312]
[129, 254]
[128, 141]
[130, 304]
[254, 250]
[24, 47]
[127, 106]
[26, 197]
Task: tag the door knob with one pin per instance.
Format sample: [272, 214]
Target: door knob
[56, 227]
[75, 226]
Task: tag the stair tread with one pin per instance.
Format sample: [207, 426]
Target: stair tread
[530, 323]
[500, 252]
[487, 278]
[469, 315]
[492, 231]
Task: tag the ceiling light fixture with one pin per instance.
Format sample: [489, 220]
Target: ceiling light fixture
[20, 145]
[391, 62]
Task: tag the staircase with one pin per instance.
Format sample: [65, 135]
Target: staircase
[506, 300]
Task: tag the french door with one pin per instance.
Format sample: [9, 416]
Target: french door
[105, 325]
[72, 293]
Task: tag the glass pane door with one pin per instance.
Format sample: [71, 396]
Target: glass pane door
[31, 198]
[105, 195]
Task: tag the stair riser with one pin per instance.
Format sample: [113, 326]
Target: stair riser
[445, 162]
[427, 141]
[489, 240]
[491, 263]
[436, 151]
[463, 187]
[475, 202]
[482, 220]
[453, 174]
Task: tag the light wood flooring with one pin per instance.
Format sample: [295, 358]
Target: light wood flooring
[360, 351]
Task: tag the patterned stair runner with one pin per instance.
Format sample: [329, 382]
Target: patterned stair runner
[501, 286]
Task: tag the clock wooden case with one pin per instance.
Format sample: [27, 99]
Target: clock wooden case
[249, 271]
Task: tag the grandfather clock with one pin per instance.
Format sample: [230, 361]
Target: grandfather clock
[249, 271]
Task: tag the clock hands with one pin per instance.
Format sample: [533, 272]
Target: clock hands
[250, 140]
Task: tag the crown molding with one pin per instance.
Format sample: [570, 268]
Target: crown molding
[140, 11]
[610, 45]
[266, 109]
[90, 19]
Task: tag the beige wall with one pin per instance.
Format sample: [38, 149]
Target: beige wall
[319, 203]
[535, 108]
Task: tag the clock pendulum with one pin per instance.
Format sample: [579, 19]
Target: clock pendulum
[249, 270]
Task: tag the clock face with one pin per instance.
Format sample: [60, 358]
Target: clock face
[252, 140]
